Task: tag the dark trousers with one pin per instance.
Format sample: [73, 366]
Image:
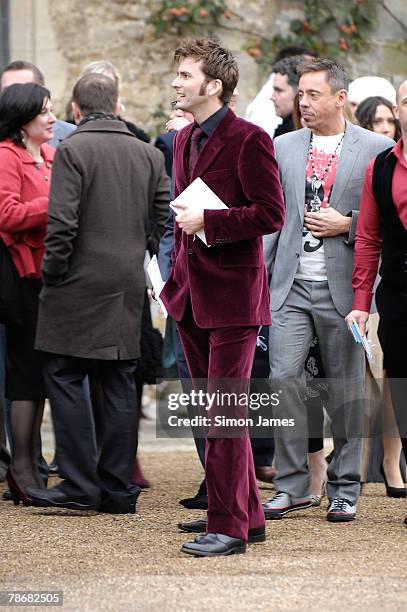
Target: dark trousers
[225, 354]
[392, 307]
[90, 474]
[186, 384]
[263, 448]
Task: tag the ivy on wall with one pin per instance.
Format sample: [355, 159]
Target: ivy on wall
[178, 16]
[332, 29]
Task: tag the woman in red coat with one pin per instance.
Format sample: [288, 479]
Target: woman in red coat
[26, 123]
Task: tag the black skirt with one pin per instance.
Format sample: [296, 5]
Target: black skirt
[24, 378]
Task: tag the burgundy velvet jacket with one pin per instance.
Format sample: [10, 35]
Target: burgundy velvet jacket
[227, 282]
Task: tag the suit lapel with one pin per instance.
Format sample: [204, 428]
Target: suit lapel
[214, 145]
[349, 153]
[300, 159]
[181, 157]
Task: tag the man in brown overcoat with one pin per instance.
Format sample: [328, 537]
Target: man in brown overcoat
[107, 189]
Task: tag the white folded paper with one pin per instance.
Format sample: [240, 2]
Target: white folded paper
[199, 197]
[154, 273]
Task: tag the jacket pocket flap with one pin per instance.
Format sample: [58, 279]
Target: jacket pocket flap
[239, 259]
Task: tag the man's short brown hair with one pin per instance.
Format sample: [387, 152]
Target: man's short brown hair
[217, 63]
[25, 65]
[336, 75]
[96, 93]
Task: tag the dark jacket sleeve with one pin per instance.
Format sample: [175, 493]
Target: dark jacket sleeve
[159, 205]
[166, 247]
[164, 143]
[65, 195]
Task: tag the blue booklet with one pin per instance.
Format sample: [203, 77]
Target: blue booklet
[354, 328]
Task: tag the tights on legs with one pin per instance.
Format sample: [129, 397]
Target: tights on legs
[26, 418]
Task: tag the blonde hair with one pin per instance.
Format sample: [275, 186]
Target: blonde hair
[102, 67]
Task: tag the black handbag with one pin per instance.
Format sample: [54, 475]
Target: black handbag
[11, 310]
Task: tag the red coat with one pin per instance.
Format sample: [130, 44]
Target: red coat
[227, 282]
[24, 192]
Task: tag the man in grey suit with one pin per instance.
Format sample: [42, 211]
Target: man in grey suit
[322, 168]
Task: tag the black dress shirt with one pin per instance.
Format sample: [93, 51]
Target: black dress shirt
[209, 125]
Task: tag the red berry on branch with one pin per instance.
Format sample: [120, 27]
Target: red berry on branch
[254, 52]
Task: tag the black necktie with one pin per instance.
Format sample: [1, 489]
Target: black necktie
[194, 150]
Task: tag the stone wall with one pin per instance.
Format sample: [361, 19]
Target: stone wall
[62, 37]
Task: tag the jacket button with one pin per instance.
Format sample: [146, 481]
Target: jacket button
[190, 252]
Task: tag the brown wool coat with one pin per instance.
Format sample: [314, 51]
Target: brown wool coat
[107, 188]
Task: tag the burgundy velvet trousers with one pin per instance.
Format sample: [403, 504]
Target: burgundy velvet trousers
[225, 354]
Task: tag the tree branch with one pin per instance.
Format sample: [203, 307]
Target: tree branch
[237, 29]
[396, 19]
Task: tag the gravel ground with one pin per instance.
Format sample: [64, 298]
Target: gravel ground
[104, 562]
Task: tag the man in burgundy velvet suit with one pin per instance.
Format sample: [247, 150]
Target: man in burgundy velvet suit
[218, 295]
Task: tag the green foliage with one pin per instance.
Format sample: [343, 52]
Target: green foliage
[176, 16]
[330, 28]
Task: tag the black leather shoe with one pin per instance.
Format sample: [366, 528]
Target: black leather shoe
[392, 491]
[7, 495]
[265, 473]
[56, 498]
[214, 545]
[256, 534]
[198, 526]
[113, 507]
[199, 502]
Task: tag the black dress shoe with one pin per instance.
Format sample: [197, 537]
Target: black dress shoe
[7, 495]
[255, 536]
[392, 491]
[17, 493]
[265, 473]
[113, 507]
[56, 498]
[199, 502]
[214, 545]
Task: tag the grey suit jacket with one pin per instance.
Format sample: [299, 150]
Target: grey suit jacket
[282, 249]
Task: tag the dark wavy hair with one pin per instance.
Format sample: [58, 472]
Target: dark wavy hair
[217, 63]
[366, 113]
[20, 104]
